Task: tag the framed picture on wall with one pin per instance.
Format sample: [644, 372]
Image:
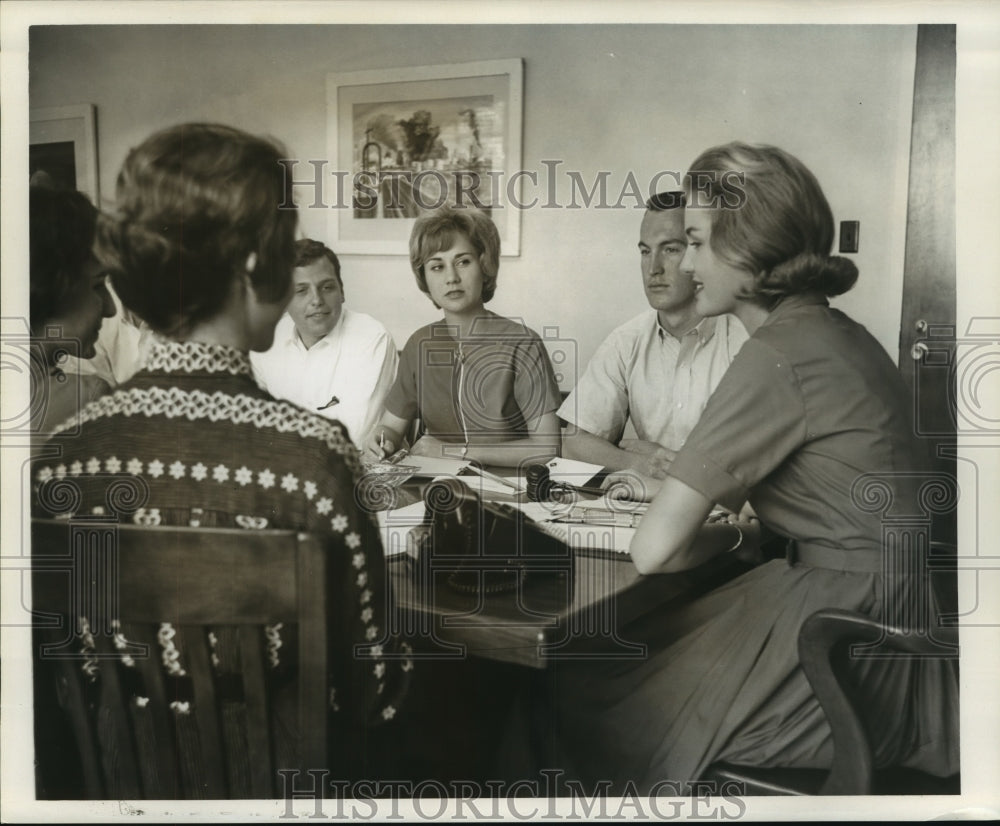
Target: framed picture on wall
[406, 140]
[62, 150]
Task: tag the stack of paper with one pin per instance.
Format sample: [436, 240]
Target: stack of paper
[599, 538]
[578, 535]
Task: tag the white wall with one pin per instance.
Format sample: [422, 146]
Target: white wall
[639, 98]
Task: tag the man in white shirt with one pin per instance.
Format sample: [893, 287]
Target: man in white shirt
[656, 370]
[325, 357]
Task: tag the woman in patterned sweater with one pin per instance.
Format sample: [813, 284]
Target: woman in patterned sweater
[200, 250]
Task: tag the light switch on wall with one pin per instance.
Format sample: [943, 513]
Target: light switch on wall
[849, 231]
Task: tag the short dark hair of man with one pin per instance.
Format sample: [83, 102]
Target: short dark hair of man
[662, 201]
[308, 251]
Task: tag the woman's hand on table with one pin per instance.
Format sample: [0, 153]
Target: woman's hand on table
[748, 524]
[749, 549]
[631, 485]
[651, 459]
[747, 514]
[427, 445]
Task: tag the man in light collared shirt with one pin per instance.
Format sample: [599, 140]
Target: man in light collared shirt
[656, 370]
[325, 357]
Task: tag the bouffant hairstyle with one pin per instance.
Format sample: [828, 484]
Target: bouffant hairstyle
[308, 251]
[193, 202]
[62, 226]
[436, 231]
[769, 217]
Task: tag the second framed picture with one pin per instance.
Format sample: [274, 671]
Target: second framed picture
[413, 139]
[63, 149]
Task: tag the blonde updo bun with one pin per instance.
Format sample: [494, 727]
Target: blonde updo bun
[808, 272]
[771, 218]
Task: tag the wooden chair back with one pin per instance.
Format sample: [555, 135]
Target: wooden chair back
[126, 581]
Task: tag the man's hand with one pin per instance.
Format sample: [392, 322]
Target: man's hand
[651, 459]
[631, 485]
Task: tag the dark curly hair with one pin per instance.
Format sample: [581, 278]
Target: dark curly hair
[308, 251]
[770, 217]
[436, 231]
[194, 201]
[62, 226]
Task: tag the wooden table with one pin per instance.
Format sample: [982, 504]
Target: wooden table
[583, 608]
[559, 615]
[485, 675]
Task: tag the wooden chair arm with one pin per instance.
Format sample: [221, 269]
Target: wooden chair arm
[824, 644]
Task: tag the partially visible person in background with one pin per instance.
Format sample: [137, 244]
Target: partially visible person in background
[122, 346]
[325, 357]
[69, 300]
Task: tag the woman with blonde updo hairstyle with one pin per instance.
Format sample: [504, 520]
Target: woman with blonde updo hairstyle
[769, 216]
[810, 408]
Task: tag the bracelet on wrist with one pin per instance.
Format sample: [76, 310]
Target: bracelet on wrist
[739, 541]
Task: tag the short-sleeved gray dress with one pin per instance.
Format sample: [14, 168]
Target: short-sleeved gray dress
[487, 387]
[810, 404]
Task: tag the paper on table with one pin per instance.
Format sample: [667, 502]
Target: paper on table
[547, 511]
[600, 537]
[386, 472]
[590, 537]
[484, 487]
[576, 535]
[434, 466]
[484, 484]
[572, 472]
[613, 505]
[396, 528]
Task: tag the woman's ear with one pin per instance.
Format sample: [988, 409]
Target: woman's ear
[248, 268]
[751, 283]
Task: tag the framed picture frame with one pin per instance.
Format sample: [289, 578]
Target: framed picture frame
[63, 148]
[406, 140]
